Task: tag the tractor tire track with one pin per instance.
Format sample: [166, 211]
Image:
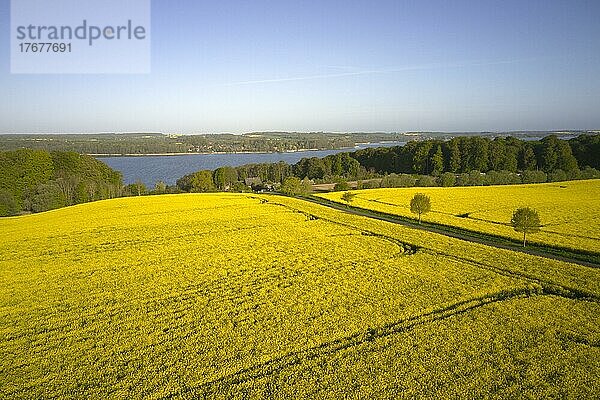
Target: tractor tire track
[405, 248]
[548, 286]
[534, 287]
[273, 366]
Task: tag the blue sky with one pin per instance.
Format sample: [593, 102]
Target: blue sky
[241, 66]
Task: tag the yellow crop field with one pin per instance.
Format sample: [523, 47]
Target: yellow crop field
[255, 296]
[569, 211]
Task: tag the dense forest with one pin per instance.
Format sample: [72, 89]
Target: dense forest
[465, 154]
[458, 161]
[550, 155]
[37, 180]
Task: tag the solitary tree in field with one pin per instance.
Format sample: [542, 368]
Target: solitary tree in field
[348, 197]
[526, 220]
[420, 204]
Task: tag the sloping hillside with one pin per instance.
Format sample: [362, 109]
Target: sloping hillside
[245, 296]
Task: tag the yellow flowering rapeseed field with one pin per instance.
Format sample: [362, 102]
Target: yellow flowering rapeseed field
[569, 211]
[256, 296]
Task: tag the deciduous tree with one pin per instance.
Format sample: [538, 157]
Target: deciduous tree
[293, 186]
[526, 220]
[420, 204]
[348, 197]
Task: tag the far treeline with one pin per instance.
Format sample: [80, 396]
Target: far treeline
[461, 161]
[38, 180]
[156, 143]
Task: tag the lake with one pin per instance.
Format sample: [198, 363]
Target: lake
[151, 169]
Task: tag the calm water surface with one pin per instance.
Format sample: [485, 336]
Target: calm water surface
[151, 169]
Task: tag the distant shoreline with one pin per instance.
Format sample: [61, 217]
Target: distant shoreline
[358, 146]
[215, 153]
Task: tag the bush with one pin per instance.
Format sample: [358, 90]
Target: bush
[502, 178]
[573, 175]
[341, 186]
[462, 179]
[558, 175]
[8, 203]
[589, 173]
[476, 178]
[46, 197]
[534, 177]
[447, 179]
[293, 186]
[393, 181]
[371, 184]
[348, 197]
[136, 189]
[426, 181]
[240, 187]
[160, 187]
